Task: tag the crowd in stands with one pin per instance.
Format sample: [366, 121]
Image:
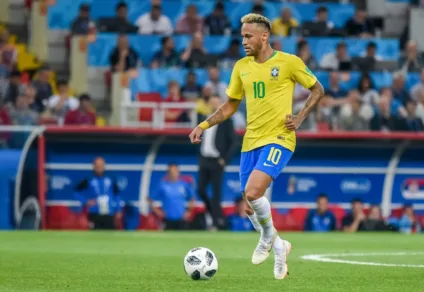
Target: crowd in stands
[362, 108]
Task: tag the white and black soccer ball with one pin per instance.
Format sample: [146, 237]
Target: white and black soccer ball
[200, 263]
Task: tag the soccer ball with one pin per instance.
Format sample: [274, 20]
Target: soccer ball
[200, 263]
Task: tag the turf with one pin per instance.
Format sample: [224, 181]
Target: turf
[141, 261]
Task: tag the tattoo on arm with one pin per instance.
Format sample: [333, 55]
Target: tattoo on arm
[224, 112]
[216, 118]
[317, 92]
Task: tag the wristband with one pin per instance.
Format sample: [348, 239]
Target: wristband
[204, 125]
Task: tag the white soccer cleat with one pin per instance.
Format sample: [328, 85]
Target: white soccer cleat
[263, 249]
[281, 268]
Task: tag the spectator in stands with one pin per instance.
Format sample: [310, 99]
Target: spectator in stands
[411, 61]
[8, 52]
[399, 88]
[304, 53]
[231, 56]
[174, 96]
[413, 121]
[190, 22]
[283, 25]
[81, 23]
[417, 87]
[173, 192]
[167, 57]
[354, 221]
[322, 17]
[123, 57]
[239, 221]
[420, 105]
[334, 61]
[21, 114]
[324, 118]
[408, 222]
[371, 52]
[359, 25]
[4, 117]
[119, 23]
[320, 219]
[375, 221]
[154, 22]
[217, 22]
[218, 87]
[334, 90]
[100, 194]
[195, 55]
[31, 93]
[84, 115]
[203, 110]
[12, 87]
[191, 89]
[43, 87]
[389, 114]
[367, 90]
[60, 104]
[351, 118]
[216, 150]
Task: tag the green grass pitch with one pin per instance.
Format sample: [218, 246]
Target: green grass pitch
[144, 261]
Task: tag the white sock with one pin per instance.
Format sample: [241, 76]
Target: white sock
[278, 246]
[262, 209]
[255, 222]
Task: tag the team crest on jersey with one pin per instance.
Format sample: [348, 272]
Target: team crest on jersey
[275, 72]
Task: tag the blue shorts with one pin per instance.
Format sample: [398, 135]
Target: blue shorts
[271, 159]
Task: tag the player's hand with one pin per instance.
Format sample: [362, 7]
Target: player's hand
[292, 122]
[91, 203]
[195, 135]
[221, 162]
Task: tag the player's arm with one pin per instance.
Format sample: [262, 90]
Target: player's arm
[235, 93]
[317, 92]
[301, 74]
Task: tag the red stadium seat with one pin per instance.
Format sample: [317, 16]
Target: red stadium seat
[339, 213]
[396, 212]
[146, 114]
[149, 222]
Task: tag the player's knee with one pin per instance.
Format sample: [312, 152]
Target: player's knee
[253, 193]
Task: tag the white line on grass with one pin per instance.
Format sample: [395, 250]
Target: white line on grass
[326, 258]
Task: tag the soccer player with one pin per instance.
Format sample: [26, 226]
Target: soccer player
[266, 78]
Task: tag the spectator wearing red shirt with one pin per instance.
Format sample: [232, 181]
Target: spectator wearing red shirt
[84, 115]
[174, 95]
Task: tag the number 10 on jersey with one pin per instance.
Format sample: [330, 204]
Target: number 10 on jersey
[259, 89]
[274, 155]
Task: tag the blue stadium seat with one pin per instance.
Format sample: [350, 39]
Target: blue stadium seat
[156, 80]
[147, 45]
[61, 14]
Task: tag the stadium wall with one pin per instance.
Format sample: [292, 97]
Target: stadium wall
[379, 168]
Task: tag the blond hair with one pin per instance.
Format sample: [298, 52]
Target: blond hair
[258, 19]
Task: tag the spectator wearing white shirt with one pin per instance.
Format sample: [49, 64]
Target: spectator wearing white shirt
[415, 90]
[154, 22]
[218, 87]
[332, 60]
[367, 90]
[60, 104]
[420, 104]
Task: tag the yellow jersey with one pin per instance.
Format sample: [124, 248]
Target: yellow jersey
[268, 88]
[283, 29]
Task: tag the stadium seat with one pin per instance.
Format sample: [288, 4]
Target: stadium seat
[149, 222]
[339, 213]
[146, 114]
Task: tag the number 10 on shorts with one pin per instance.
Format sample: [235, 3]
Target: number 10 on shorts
[274, 155]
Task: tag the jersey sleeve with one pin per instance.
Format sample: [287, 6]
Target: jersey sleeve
[235, 88]
[301, 73]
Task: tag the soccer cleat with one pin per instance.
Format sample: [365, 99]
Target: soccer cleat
[281, 269]
[263, 249]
